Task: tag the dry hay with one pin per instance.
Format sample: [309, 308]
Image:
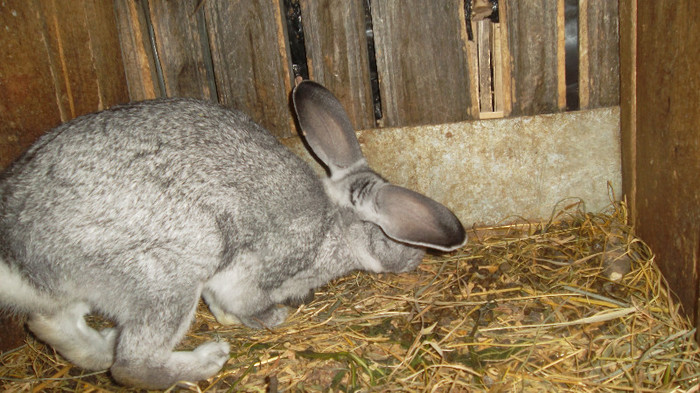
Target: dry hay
[522, 308]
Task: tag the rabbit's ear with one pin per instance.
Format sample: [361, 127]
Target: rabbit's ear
[413, 218]
[326, 126]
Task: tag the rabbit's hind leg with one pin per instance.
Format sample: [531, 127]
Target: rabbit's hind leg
[67, 332]
[145, 357]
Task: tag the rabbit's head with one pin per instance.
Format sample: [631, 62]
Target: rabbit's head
[387, 227]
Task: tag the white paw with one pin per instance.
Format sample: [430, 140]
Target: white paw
[212, 355]
[222, 316]
[110, 336]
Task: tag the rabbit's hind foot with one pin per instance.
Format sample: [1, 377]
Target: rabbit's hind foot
[201, 363]
[67, 332]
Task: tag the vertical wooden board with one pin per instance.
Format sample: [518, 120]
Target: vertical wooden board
[139, 63]
[182, 48]
[106, 54]
[532, 40]
[28, 104]
[71, 57]
[668, 141]
[421, 61]
[628, 103]
[251, 64]
[336, 47]
[504, 57]
[603, 54]
[484, 38]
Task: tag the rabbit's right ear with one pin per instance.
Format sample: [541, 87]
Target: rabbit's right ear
[326, 126]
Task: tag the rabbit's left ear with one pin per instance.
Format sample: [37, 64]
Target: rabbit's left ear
[326, 127]
[413, 218]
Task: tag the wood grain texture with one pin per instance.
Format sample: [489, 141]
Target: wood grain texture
[139, 62]
[105, 53]
[532, 39]
[28, 104]
[600, 54]
[628, 104]
[668, 141]
[484, 38]
[182, 48]
[63, 60]
[251, 63]
[84, 55]
[336, 48]
[421, 61]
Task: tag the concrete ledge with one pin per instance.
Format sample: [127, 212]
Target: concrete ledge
[489, 170]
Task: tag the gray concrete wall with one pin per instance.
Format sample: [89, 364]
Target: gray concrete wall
[489, 171]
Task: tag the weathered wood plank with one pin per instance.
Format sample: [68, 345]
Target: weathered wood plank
[532, 30]
[600, 57]
[63, 61]
[336, 47]
[181, 48]
[421, 61]
[105, 53]
[628, 103]
[667, 154]
[139, 62]
[251, 63]
[28, 104]
[504, 57]
[84, 55]
[484, 38]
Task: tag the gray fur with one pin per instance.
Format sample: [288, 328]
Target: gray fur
[137, 211]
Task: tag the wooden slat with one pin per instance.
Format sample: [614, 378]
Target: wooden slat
[600, 57]
[68, 43]
[421, 61]
[498, 68]
[181, 48]
[105, 53]
[668, 142]
[250, 59]
[504, 58]
[532, 30]
[139, 62]
[61, 60]
[84, 55]
[561, 54]
[628, 103]
[336, 48]
[484, 39]
[28, 104]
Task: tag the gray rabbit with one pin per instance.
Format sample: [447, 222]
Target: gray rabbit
[137, 211]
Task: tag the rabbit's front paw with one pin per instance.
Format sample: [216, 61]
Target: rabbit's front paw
[271, 317]
[212, 356]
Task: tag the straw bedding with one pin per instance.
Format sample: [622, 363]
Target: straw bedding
[576, 304]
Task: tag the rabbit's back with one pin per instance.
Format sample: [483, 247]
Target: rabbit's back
[168, 189]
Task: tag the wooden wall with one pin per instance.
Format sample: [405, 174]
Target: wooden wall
[59, 60]
[661, 136]
[65, 59]
[428, 70]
